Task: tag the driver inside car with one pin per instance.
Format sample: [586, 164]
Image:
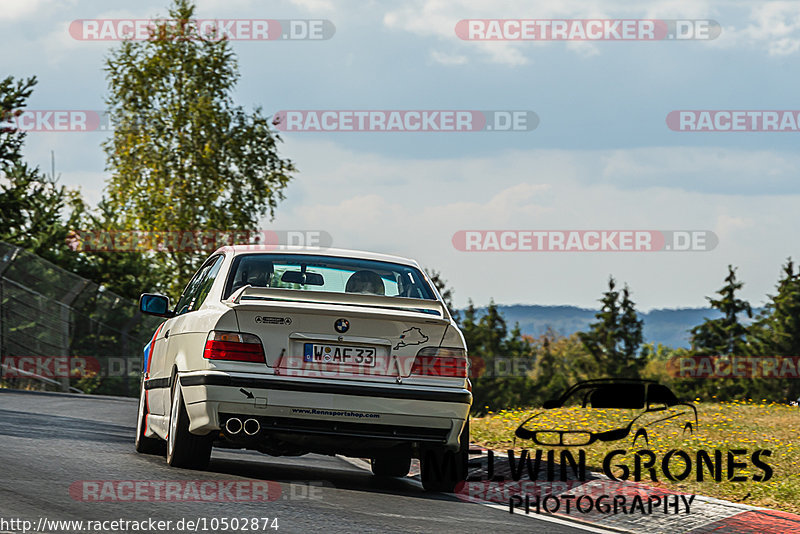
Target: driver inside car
[365, 282]
[258, 274]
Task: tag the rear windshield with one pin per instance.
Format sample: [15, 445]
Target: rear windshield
[327, 273]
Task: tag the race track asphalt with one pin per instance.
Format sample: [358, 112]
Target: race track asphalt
[51, 442]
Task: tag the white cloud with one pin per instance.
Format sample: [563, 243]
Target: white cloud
[413, 208]
[771, 26]
[437, 19]
[719, 170]
[727, 225]
[777, 26]
[315, 6]
[215, 8]
[17, 10]
[448, 59]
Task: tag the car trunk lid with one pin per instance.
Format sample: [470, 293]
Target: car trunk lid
[339, 335]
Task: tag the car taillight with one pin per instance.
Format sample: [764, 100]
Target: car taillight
[234, 346]
[440, 361]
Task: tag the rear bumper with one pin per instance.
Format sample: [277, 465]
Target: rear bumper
[330, 410]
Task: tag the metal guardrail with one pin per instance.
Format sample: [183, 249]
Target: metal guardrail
[49, 312]
[6, 367]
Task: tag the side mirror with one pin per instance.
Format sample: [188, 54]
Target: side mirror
[155, 305]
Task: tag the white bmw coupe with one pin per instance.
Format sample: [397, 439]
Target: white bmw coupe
[297, 351]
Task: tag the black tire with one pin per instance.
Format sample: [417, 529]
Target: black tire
[391, 466]
[443, 470]
[142, 443]
[185, 449]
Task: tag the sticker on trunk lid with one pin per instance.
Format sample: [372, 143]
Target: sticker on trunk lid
[264, 319]
[412, 336]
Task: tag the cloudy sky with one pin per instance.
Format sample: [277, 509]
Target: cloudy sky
[601, 158]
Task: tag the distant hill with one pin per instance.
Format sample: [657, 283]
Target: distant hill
[667, 326]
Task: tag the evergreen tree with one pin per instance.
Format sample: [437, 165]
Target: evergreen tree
[631, 327]
[777, 330]
[725, 335]
[32, 205]
[551, 372]
[506, 358]
[128, 274]
[614, 341]
[31, 213]
[445, 291]
[13, 95]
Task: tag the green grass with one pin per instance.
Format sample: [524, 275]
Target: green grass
[723, 425]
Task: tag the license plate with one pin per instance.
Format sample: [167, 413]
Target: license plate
[339, 354]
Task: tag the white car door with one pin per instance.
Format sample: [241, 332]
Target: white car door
[191, 299]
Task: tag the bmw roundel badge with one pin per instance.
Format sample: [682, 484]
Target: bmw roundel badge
[341, 325]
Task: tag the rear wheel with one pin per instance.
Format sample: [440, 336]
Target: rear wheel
[391, 466]
[142, 443]
[443, 470]
[185, 449]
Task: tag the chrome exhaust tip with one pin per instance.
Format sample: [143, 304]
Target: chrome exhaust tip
[251, 427]
[233, 426]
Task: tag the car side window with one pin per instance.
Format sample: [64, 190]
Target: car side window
[198, 287]
[205, 285]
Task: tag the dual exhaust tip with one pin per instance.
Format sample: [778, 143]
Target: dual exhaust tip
[234, 426]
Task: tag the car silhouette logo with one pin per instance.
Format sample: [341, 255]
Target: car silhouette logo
[341, 325]
[606, 410]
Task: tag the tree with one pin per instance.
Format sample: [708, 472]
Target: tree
[38, 214]
[551, 377]
[614, 341]
[561, 362]
[13, 95]
[776, 332]
[182, 155]
[32, 205]
[725, 335]
[445, 291]
[31, 212]
[128, 274]
[506, 358]
[631, 327]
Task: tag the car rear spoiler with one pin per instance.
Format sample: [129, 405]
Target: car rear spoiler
[253, 295]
